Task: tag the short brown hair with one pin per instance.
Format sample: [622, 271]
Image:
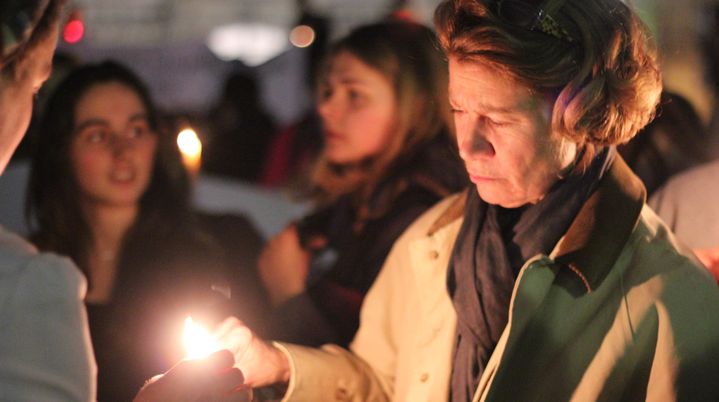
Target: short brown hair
[593, 57]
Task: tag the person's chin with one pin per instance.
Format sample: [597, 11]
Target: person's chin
[123, 202]
[338, 157]
[486, 195]
[123, 196]
[492, 197]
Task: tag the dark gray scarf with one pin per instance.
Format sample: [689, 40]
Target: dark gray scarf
[492, 246]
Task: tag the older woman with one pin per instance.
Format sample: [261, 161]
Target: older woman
[549, 280]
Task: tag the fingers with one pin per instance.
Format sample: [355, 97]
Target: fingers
[213, 375]
[238, 396]
[234, 335]
[219, 361]
[212, 378]
[230, 380]
[226, 326]
[239, 338]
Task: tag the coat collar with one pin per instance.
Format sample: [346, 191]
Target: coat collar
[598, 233]
[602, 227]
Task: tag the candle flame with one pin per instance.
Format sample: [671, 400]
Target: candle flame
[189, 143]
[198, 341]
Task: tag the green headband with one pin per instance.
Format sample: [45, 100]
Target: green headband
[541, 19]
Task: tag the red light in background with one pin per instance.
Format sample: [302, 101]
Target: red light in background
[74, 29]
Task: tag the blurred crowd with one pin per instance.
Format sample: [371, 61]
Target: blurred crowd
[108, 189]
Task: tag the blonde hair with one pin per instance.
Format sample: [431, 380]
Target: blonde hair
[406, 53]
[593, 57]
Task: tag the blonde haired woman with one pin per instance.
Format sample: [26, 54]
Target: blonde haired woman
[388, 156]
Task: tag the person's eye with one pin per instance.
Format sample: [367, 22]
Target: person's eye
[494, 123]
[457, 111]
[138, 131]
[356, 98]
[96, 136]
[324, 93]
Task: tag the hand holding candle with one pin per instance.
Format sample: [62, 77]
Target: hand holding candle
[198, 341]
[206, 374]
[210, 379]
[261, 362]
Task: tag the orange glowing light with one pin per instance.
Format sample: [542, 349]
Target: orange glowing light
[302, 36]
[198, 341]
[191, 148]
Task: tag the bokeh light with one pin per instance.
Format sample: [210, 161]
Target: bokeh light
[302, 36]
[198, 341]
[74, 31]
[189, 143]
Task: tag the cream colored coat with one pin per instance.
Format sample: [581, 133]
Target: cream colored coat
[618, 311]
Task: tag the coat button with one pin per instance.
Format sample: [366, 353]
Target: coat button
[424, 377]
[434, 254]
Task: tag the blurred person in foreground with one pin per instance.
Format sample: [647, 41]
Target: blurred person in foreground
[675, 141]
[44, 342]
[44, 338]
[549, 279]
[688, 204]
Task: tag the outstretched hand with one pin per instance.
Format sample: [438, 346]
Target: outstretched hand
[261, 363]
[211, 379]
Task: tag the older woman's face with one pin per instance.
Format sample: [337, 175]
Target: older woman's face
[16, 94]
[504, 135]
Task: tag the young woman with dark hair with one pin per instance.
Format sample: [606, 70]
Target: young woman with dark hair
[108, 189]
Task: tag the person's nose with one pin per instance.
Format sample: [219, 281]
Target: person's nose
[328, 108]
[121, 145]
[473, 142]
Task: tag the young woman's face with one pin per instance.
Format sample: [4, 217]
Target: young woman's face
[504, 136]
[113, 148]
[358, 108]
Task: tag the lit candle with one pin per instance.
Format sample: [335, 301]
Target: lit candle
[200, 344]
[191, 150]
[198, 341]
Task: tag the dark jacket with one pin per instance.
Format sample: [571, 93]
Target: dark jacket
[342, 273]
[164, 275]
